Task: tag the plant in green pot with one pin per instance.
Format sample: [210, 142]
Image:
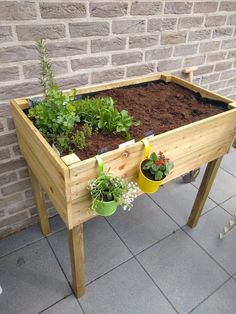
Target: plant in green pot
[108, 191]
[153, 169]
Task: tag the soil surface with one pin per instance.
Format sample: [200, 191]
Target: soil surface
[159, 106]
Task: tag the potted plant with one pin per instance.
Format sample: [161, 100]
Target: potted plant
[153, 170]
[109, 191]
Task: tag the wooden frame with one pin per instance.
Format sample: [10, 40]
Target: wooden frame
[65, 179]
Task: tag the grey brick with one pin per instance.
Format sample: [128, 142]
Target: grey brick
[205, 7]
[157, 54]
[222, 32]
[232, 54]
[204, 69]
[228, 74]
[110, 44]
[52, 10]
[170, 38]
[168, 65]
[10, 200]
[2, 126]
[227, 6]
[178, 7]
[216, 56]
[67, 48]
[16, 150]
[33, 70]
[11, 220]
[217, 85]
[20, 206]
[231, 20]
[228, 44]
[210, 78]
[8, 178]
[215, 20]
[225, 65]
[15, 187]
[161, 24]
[107, 75]
[5, 34]
[199, 35]
[77, 80]
[10, 124]
[209, 46]
[39, 31]
[9, 74]
[232, 82]
[226, 91]
[2, 212]
[126, 58]
[8, 139]
[198, 60]
[146, 8]
[108, 9]
[141, 69]
[87, 29]
[17, 10]
[19, 90]
[190, 22]
[4, 153]
[128, 26]
[11, 165]
[18, 53]
[88, 62]
[143, 41]
[184, 50]
[24, 173]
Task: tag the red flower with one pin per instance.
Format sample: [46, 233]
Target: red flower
[159, 162]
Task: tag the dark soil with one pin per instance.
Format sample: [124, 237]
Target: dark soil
[159, 106]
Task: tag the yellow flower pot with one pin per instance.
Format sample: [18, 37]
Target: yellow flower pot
[146, 185]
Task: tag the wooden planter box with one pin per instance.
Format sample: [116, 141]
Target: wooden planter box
[65, 179]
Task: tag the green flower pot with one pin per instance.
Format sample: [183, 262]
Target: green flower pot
[105, 208]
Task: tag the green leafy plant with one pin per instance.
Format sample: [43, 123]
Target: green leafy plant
[157, 166]
[78, 140]
[109, 188]
[88, 130]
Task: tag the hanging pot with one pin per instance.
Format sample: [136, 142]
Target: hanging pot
[145, 184]
[103, 208]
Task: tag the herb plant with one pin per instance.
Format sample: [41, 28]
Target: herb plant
[109, 188]
[158, 166]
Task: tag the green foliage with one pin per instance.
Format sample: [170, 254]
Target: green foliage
[101, 113]
[87, 129]
[46, 75]
[62, 144]
[158, 165]
[56, 114]
[78, 140]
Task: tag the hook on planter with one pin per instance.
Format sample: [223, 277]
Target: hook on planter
[100, 165]
[147, 148]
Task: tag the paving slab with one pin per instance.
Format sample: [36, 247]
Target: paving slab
[125, 290]
[229, 162]
[27, 236]
[31, 280]
[177, 199]
[230, 205]
[182, 270]
[206, 234]
[222, 301]
[223, 188]
[68, 305]
[103, 249]
[142, 226]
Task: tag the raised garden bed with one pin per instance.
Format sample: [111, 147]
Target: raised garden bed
[65, 179]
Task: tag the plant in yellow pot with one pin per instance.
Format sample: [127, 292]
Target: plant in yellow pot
[152, 171]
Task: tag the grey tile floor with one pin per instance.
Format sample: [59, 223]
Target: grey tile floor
[146, 261]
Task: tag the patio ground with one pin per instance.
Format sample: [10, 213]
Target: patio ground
[146, 261]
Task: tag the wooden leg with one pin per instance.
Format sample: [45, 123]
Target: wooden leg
[76, 245]
[40, 203]
[203, 192]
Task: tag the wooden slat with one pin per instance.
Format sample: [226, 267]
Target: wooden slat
[70, 159]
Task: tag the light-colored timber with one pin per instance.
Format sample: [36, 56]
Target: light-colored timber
[65, 179]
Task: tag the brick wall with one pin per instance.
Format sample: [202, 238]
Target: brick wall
[96, 41]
